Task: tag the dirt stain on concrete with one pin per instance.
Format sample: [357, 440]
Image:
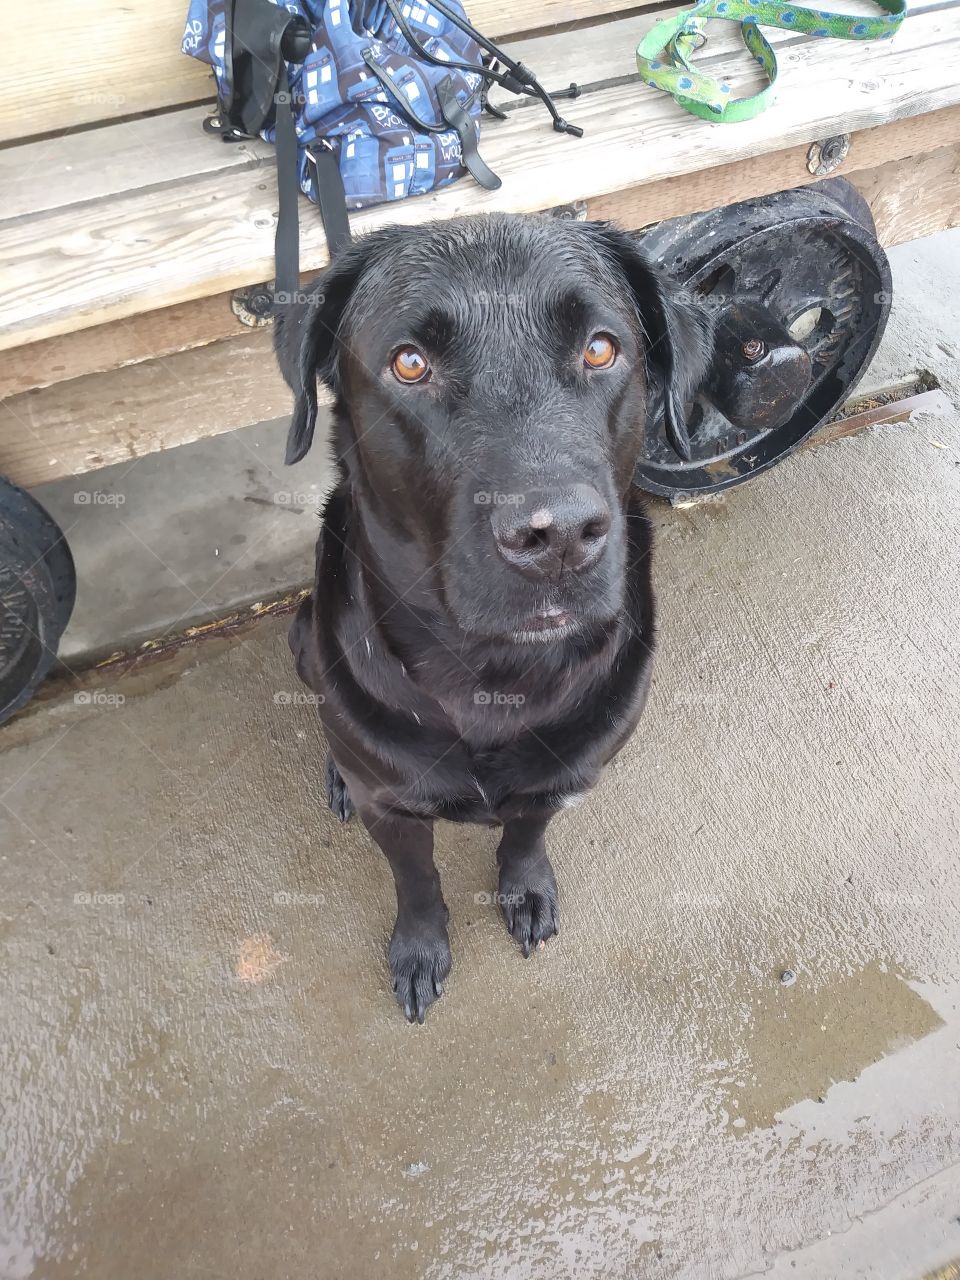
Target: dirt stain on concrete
[258, 959]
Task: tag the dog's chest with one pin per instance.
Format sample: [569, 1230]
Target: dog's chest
[489, 784]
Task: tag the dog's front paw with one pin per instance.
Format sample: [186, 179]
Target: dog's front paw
[530, 904]
[419, 961]
[338, 797]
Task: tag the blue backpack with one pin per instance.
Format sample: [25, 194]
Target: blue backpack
[366, 100]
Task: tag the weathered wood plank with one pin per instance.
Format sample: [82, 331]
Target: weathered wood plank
[914, 198]
[606, 52]
[113, 59]
[193, 324]
[761, 175]
[111, 417]
[123, 342]
[124, 414]
[166, 246]
[119, 59]
[164, 149]
[169, 148]
[135, 155]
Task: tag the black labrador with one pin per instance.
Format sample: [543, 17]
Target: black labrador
[482, 625]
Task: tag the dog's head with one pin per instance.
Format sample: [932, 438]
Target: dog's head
[492, 375]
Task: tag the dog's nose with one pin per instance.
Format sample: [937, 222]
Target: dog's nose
[552, 531]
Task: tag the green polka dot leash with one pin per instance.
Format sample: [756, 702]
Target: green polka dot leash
[663, 55]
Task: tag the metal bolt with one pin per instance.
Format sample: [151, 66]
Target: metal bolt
[753, 349]
[260, 303]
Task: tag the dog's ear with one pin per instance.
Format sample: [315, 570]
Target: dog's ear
[305, 341]
[678, 334]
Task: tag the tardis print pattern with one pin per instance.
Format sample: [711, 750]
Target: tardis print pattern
[204, 37]
[383, 155]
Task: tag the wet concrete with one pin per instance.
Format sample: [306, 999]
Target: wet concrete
[202, 1069]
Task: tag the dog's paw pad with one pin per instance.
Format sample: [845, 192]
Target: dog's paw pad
[531, 911]
[419, 961]
[338, 797]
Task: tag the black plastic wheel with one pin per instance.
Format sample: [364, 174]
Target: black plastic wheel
[37, 593]
[801, 291]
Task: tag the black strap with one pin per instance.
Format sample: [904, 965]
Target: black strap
[454, 115]
[520, 79]
[331, 196]
[261, 38]
[468, 132]
[286, 245]
[401, 102]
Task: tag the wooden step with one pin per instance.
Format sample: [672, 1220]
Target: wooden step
[192, 230]
[126, 413]
[115, 59]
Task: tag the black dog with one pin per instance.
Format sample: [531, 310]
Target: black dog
[482, 624]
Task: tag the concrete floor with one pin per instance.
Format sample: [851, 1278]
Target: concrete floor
[202, 1069]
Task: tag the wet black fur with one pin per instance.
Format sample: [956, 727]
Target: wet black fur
[433, 708]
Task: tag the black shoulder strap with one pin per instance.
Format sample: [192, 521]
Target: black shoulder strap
[286, 242]
[468, 132]
[331, 196]
[261, 38]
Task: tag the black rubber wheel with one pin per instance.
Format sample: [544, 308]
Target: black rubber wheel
[808, 263]
[37, 593]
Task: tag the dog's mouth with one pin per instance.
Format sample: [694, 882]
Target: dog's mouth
[547, 625]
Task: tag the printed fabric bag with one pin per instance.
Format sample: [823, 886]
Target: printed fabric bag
[367, 101]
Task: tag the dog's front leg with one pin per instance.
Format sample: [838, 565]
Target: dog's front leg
[419, 951]
[527, 890]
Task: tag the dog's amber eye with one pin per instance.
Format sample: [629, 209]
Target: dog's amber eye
[410, 365]
[600, 352]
